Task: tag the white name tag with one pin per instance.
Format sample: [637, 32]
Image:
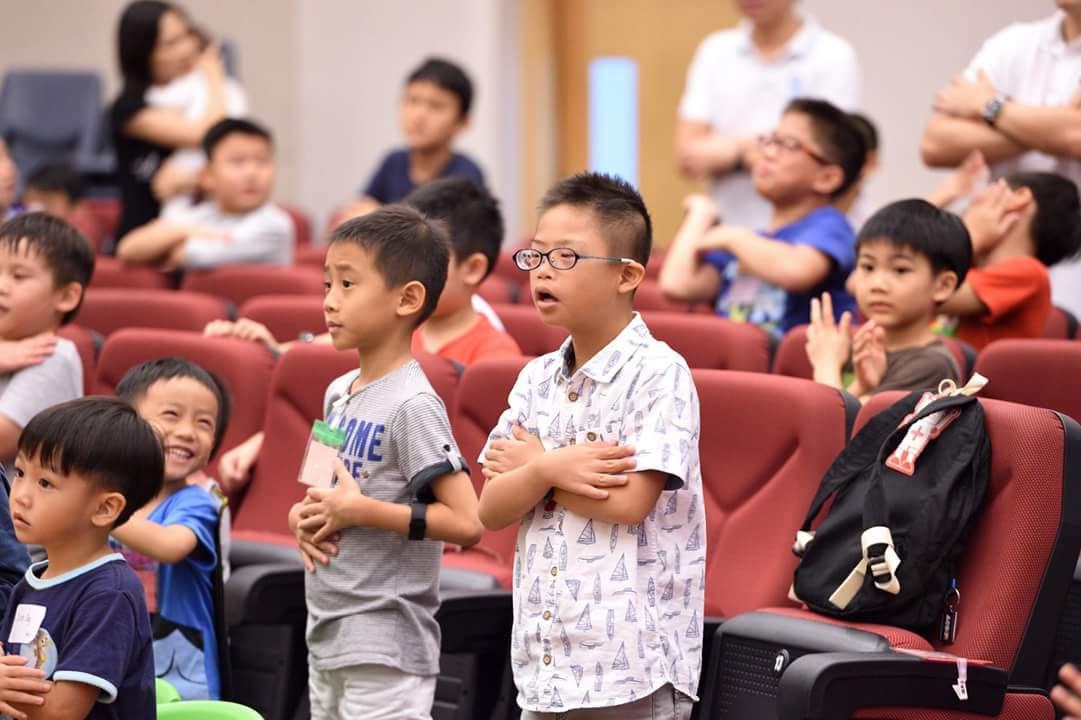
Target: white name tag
[28, 619]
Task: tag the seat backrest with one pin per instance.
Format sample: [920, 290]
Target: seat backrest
[1020, 557]
[711, 342]
[766, 441]
[1061, 324]
[106, 310]
[240, 283]
[533, 335]
[87, 342]
[648, 296]
[482, 397]
[302, 223]
[790, 357]
[245, 368]
[496, 290]
[112, 273]
[294, 402]
[1043, 373]
[49, 116]
[286, 316]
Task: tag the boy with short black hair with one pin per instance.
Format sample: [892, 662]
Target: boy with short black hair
[177, 530]
[1020, 226]
[434, 110]
[54, 188]
[911, 257]
[77, 633]
[401, 485]
[237, 223]
[597, 455]
[45, 266]
[769, 277]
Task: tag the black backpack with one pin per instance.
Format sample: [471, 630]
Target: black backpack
[914, 525]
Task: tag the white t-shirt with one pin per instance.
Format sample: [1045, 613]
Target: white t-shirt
[264, 235]
[733, 89]
[1032, 64]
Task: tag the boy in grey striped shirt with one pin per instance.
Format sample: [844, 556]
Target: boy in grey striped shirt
[401, 485]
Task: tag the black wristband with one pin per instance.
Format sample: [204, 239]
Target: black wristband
[418, 525]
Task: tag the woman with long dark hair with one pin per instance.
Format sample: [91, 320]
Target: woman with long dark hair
[156, 45]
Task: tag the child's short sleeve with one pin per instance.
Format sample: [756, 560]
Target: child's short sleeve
[831, 235]
[1005, 286]
[519, 410]
[196, 510]
[661, 422]
[378, 187]
[99, 643]
[425, 448]
[57, 379]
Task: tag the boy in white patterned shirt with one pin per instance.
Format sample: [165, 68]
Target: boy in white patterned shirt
[597, 455]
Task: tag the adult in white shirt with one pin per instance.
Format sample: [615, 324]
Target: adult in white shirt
[739, 82]
[1018, 102]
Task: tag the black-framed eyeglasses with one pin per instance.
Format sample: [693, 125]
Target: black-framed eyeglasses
[560, 258]
[792, 145]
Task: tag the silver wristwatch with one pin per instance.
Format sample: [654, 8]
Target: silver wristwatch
[993, 109]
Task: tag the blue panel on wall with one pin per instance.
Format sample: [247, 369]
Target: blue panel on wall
[613, 117]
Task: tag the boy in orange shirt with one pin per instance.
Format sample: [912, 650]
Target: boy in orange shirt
[1020, 226]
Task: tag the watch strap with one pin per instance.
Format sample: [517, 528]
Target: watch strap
[418, 523]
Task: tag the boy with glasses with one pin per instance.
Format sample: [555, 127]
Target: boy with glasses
[768, 276]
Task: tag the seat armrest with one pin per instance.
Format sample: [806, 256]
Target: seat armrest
[265, 593]
[251, 552]
[832, 685]
[477, 622]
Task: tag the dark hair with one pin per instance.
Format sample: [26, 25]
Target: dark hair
[1056, 228]
[64, 249]
[406, 247]
[937, 234]
[841, 142]
[867, 129]
[138, 380]
[102, 438]
[229, 126]
[136, 36]
[57, 177]
[618, 206]
[448, 76]
[471, 213]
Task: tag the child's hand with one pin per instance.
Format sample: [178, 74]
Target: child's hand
[235, 465]
[333, 508]
[588, 468]
[310, 551]
[961, 182]
[244, 329]
[20, 685]
[1067, 694]
[19, 354]
[700, 206]
[989, 218]
[508, 454]
[828, 343]
[869, 356]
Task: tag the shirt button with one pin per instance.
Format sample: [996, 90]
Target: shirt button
[547, 615]
[573, 396]
[547, 659]
[555, 571]
[592, 436]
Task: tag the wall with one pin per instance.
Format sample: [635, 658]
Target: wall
[908, 50]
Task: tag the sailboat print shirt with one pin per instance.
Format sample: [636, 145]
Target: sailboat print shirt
[606, 614]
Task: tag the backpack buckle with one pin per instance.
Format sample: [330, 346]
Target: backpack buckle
[883, 561]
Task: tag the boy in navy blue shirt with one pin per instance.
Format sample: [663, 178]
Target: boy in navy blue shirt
[434, 111]
[76, 633]
[177, 530]
[768, 276]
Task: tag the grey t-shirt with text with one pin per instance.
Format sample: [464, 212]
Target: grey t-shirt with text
[376, 600]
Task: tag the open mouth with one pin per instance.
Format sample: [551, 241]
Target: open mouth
[543, 298]
[179, 453]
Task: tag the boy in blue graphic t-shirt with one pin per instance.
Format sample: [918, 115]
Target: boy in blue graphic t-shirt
[76, 635]
[177, 530]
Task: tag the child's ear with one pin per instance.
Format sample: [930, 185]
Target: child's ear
[473, 269]
[828, 179]
[107, 509]
[206, 180]
[68, 297]
[411, 299]
[944, 287]
[1020, 200]
[631, 276]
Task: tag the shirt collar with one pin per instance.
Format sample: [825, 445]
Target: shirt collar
[1052, 39]
[799, 45]
[603, 366]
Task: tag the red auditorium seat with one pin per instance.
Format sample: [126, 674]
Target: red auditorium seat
[239, 283]
[1061, 325]
[112, 273]
[286, 316]
[1042, 373]
[482, 398]
[649, 297]
[532, 334]
[244, 367]
[106, 310]
[1013, 579]
[310, 256]
[106, 216]
[711, 342]
[302, 224]
[87, 342]
[295, 401]
[496, 290]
